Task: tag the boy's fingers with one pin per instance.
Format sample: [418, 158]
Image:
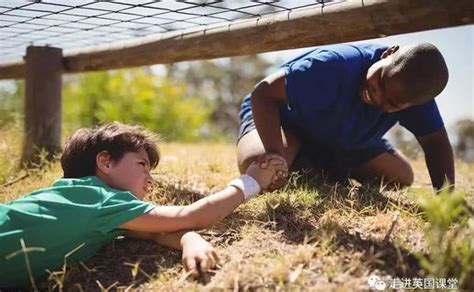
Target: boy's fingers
[282, 173]
[276, 163]
[272, 155]
[204, 276]
[275, 179]
[190, 266]
[277, 184]
[269, 156]
[270, 159]
[216, 257]
[276, 159]
[205, 264]
[212, 260]
[262, 158]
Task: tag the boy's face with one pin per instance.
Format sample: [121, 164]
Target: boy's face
[130, 173]
[381, 88]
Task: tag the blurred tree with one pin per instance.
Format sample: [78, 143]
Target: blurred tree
[224, 83]
[11, 103]
[134, 96]
[465, 143]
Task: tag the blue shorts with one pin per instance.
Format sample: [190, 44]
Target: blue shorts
[337, 163]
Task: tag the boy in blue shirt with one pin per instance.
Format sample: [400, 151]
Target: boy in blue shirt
[106, 176]
[333, 105]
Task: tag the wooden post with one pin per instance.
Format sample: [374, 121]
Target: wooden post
[42, 103]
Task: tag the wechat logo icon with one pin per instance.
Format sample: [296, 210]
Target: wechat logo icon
[376, 283]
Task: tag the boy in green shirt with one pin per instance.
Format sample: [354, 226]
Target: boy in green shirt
[106, 176]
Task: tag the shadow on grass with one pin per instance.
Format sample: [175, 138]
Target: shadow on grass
[122, 263]
[381, 255]
[296, 209]
[361, 194]
[299, 220]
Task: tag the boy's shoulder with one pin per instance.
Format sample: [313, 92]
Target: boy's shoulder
[349, 48]
[92, 181]
[87, 187]
[84, 190]
[369, 52]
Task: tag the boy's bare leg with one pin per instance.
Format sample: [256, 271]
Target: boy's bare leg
[394, 168]
[250, 147]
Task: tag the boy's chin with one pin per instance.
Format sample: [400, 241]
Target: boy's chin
[141, 195]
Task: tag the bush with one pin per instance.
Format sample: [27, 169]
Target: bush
[134, 96]
[450, 237]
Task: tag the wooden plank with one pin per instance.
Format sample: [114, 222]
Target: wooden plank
[12, 69]
[347, 21]
[42, 103]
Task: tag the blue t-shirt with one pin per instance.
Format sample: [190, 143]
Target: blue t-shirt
[324, 107]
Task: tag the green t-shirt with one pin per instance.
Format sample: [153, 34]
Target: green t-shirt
[73, 213]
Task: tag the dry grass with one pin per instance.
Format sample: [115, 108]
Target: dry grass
[312, 235]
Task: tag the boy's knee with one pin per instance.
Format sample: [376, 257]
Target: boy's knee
[406, 176]
[245, 162]
[249, 148]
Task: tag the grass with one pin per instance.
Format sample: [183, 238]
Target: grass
[311, 235]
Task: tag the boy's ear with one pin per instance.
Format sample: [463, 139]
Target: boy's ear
[103, 161]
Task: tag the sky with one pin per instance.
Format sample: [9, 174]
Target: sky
[456, 44]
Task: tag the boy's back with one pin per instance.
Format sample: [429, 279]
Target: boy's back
[324, 107]
[74, 216]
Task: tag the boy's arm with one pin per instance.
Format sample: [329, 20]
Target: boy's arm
[171, 239]
[206, 211]
[198, 215]
[439, 157]
[265, 99]
[175, 240]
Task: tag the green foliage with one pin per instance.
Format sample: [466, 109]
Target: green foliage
[196, 101]
[450, 236]
[11, 103]
[223, 83]
[134, 96]
[465, 135]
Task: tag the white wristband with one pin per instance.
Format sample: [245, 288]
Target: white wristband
[247, 184]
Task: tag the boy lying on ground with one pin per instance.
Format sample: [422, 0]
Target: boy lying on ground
[106, 177]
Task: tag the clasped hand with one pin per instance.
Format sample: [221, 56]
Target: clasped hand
[270, 171]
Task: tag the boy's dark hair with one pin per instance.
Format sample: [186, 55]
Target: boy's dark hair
[79, 155]
[423, 70]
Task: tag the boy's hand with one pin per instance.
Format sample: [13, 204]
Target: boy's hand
[198, 254]
[269, 170]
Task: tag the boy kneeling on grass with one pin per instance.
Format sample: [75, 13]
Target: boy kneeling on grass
[106, 177]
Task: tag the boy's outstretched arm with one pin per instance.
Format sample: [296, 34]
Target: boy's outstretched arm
[265, 99]
[439, 157]
[208, 210]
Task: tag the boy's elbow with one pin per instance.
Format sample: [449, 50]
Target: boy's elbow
[266, 94]
[258, 92]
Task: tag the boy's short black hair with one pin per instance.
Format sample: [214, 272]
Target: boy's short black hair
[79, 156]
[423, 71]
